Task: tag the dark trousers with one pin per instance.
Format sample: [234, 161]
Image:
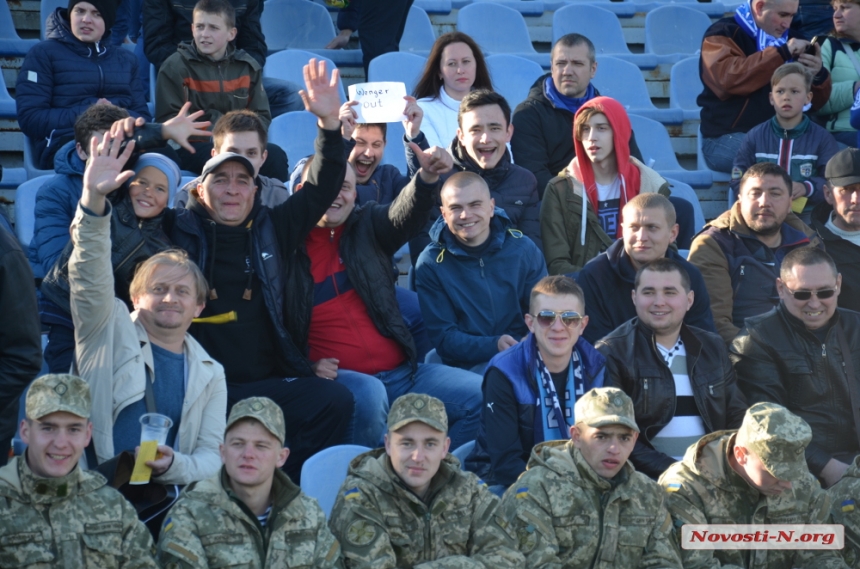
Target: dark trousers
[275, 166]
[381, 26]
[317, 413]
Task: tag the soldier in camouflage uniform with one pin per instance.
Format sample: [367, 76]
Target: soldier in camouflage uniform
[410, 505]
[250, 514]
[845, 500]
[53, 514]
[755, 475]
[581, 504]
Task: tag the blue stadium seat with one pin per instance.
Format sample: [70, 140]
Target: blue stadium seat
[675, 31]
[700, 163]
[585, 19]
[288, 65]
[7, 103]
[685, 85]
[397, 66]
[712, 9]
[685, 191]
[462, 452]
[513, 76]
[620, 9]
[47, 8]
[524, 7]
[11, 43]
[394, 152]
[25, 209]
[29, 164]
[418, 35]
[324, 473]
[499, 29]
[656, 145]
[623, 81]
[312, 31]
[434, 6]
[295, 132]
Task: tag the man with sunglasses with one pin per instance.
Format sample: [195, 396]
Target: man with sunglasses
[679, 376]
[804, 354]
[530, 389]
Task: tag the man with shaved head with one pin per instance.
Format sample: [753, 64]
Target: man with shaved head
[474, 278]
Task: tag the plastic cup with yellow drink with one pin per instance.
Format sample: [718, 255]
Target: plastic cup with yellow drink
[153, 432]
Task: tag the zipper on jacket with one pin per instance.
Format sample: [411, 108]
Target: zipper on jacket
[742, 270]
[823, 350]
[481, 262]
[428, 554]
[711, 389]
[331, 237]
[129, 256]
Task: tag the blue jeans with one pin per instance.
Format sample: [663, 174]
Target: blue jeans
[719, 153]
[283, 97]
[458, 389]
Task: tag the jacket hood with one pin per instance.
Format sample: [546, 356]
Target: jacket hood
[536, 94]
[67, 162]
[58, 27]
[498, 225]
[820, 216]
[565, 460]
[374, 468]
[854, 468]
[708, 459]
[793, 229]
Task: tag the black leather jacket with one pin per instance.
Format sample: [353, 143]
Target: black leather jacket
[634, 364]
[777, 359]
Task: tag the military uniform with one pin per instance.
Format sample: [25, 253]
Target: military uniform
[76, 521]
[845, 507]
[382, 524]
[705, 489]
[211, 527]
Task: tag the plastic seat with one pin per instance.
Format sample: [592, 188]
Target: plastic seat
[499, 29]
[462, 452]
[685, 85]
[585, 19]
[323, 473]
[512, 76]
[25, 209]
[288, 65]
[434, 6]
[711, 9]
[29, 162]
[8, 110]
[673, 32]
[702, 165]
[418, 35]
[394, 152]
[656, 145]
[11, 43]
[524, 7]
[685, 191]
[312, 30]
[295, 132]
[620, 9]
[623, 81]
[397, 66]
[47, 8]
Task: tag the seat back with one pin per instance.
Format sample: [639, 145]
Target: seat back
[289, 63]
[496, 28]
[685, 191]
[324, 473]
[295, 132]
[675, 29]
[397, 66]
[622, 81]
[655, 144]
[394, 152]
[7, 26]
[310, 27]
[462, 452]
[8, 109]
[685, 84]
[513, 76]
[524, 7]
[25, 209]
[30, 160]
[418, 35]
[585, 19]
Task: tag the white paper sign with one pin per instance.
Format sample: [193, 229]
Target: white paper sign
[379, 102]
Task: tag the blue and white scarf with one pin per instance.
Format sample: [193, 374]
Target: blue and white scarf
[572, 104]
[557, 422]
[744, 18]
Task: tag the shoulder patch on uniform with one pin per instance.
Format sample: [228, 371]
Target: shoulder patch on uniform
[167, 525]
[361, 532]
[182, 552]
[522, 492]
[673, 487]
[737, 173]
[482, 483]
[352, 493]
[848, 506]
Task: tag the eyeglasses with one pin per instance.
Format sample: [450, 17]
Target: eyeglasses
[546, 318]
[822, 294]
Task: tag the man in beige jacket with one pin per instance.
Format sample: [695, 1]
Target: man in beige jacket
[144, 361]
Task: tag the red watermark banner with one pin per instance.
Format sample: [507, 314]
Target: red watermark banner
[762, 536]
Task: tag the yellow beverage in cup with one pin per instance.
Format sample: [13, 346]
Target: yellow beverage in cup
[154, 430]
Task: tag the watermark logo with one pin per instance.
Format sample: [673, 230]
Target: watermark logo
[762, 536]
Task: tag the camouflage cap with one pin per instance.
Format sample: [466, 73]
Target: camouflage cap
[418, 407]
[603, 406]
[778, 437]
[263, 410]
[58, 392]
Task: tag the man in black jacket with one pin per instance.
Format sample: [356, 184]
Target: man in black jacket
[804, 354]
[679, 377]
[20, 340]
[543, 123]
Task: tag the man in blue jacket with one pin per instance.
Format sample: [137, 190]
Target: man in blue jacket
[530, 390]
[475, 277]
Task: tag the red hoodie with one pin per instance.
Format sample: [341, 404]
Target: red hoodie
[627, 171]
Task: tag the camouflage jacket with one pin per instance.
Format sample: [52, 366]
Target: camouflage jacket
[210, 527]
[566, 516]
[381, 524]
[845, 500]
[704, 489]
[91, 525]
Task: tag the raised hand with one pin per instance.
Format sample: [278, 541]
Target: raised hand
[183, 126]
[126, 126]
[414, 115]
[321, 94]
[434, 162]
[348, 117]
[104, 172]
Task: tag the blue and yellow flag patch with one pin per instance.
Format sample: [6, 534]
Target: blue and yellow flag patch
[167, 525]
[522, 492]
[482, 483]
[848, 506]
[352, 494]
[673, 487]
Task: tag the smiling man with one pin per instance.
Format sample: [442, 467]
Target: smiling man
[755, 475]
[803, 354]
[530, 389]
[250, 512]
[410, 505]
[679, 376]
[474, 279]
[581, 504]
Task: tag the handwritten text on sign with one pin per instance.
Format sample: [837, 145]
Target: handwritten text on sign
[379, 102]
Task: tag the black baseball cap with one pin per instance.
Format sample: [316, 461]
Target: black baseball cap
[213, 163]
[844, 168]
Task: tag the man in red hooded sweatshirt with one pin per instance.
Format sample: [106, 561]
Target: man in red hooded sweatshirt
[604, 172]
